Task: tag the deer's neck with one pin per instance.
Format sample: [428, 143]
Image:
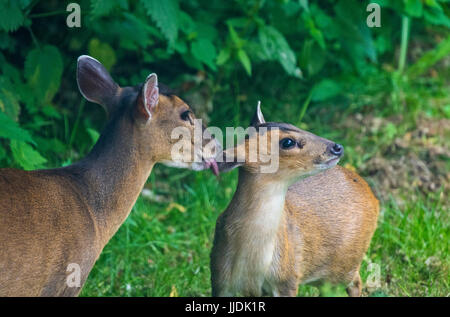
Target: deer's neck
[113, 174]
[259, 201]
[256, 215]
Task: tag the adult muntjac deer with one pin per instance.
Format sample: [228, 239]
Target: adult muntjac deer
[310, 221]
[51, 219]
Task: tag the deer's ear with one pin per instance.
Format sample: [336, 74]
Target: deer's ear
[149, 97]
[258, 117]
[96, 84]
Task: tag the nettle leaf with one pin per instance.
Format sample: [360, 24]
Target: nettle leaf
[204, 51]
[134, 32]
[27, 157]
[43, 70]
[180, 47]
[165, 15]
[11, 15]
[324, 90]
[102, 52]
[206, 31]
[9, 129]
[224, 56]
[191, 61]
[275, 47]
[9, 101]
[354, 35]
[104, 7]
[245, 61]
[312, 58]
[437, 16]
[414, 8]
[11, 73]
[237, 22]
[93, 134]
[101, 7]
[186, 24]
[238, 42]
[315, 32]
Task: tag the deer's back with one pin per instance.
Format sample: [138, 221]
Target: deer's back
[44, 226]
[334, 214]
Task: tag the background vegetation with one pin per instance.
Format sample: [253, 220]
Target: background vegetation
[382, 92]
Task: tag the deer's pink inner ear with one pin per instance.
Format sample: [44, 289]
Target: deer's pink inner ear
[151, 95]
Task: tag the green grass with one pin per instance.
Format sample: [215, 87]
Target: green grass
[159, 252]
[411, 247]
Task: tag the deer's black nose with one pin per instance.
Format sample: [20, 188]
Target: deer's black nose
[337, 149]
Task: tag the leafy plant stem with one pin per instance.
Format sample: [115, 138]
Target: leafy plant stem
[404, 43]
[31, 6]
[305, 107]
[66, 127]
[33, 37]
[77, 122]
[47, 14]
[237, 104]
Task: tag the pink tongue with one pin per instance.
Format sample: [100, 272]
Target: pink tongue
[213, 166]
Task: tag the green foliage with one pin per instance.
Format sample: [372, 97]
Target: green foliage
[103, 52]
[43, 70]
[243, 58]
[11, 15]
[26, 156]
[9, 129]
[325, 89]
[204, 50]
[430, 58]
[9, 103]
[165, 15]
[275, 47]
[104, 7]
[323, 50]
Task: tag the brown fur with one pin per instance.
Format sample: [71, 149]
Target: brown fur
[51, 218]
[277, 233]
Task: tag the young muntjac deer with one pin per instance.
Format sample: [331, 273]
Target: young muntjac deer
[60, 219]
[310, 221]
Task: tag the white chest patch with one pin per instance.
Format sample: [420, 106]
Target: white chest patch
[255, 242]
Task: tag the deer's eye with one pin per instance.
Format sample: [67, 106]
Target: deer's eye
[287, 143]
[185, 115]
